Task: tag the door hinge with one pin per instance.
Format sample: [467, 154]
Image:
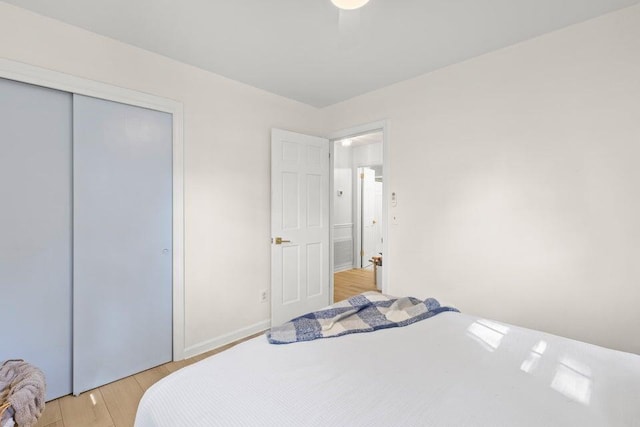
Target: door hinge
[361, 252]
[362, 176]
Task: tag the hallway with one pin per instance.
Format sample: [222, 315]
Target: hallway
[353, 282]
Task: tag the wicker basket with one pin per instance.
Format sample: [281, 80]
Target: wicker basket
[3, 408]
[4, 394]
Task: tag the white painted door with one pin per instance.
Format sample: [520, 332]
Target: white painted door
[367, 215]
[299, 224]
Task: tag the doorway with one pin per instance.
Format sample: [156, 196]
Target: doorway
[358, 207]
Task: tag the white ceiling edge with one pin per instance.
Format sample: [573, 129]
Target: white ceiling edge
[309, 51]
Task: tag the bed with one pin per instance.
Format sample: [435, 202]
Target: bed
[452, 369]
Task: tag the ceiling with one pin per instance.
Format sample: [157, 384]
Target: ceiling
[308, 50]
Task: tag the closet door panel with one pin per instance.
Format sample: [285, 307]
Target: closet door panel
[122, 240]
[35, 230]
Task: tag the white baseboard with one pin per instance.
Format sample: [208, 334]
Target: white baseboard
[225, 339]
[343, 267]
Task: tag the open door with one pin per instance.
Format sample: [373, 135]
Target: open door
[299, 224]
[367, 220]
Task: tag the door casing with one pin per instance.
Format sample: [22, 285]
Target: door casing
[378, 126]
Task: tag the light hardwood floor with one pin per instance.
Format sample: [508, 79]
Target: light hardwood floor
[115, 404]
[352, 282]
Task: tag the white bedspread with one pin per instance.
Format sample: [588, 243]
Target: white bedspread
[450, 370]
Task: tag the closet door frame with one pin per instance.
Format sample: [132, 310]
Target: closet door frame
[25, 73]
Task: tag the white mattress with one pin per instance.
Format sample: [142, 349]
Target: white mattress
[450, 370]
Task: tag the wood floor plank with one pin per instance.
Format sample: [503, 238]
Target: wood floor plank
[51, 414]
[148, 378]
[203, 356]
[86, 410]
[352, 282]
[115, 404]
[122, 398]
[174, 366]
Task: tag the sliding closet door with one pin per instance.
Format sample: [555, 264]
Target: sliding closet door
[35, 230]
[122, 240]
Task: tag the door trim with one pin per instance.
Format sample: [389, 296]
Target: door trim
[381, 125]
[25, 73]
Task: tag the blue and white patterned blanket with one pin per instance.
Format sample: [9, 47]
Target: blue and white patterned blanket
[366, 312]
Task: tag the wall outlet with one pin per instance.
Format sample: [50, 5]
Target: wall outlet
[264, 295]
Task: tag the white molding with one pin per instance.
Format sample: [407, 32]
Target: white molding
[343, 267]
[331, 214]
[359, 130]
[225, 339]
[356, 208]
[345, 225]
[381, 125]
[25, 73]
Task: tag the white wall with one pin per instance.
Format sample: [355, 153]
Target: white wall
[346, 160]
[343, 249]
[343, 181]
[367, 155]
[518, 181]
[516, 175]
[227, 133]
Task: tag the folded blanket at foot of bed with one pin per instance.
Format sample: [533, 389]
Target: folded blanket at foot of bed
[366, 312]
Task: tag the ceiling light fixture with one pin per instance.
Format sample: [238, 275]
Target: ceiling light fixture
[349, 4]
[346, 142]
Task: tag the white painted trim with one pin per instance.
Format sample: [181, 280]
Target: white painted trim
[359, 130]
[356, 200]
[19, 71]
[343, 267]
[382, 125]
[225, 339]
[345, 225]
[331, 214]
[25, 73]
